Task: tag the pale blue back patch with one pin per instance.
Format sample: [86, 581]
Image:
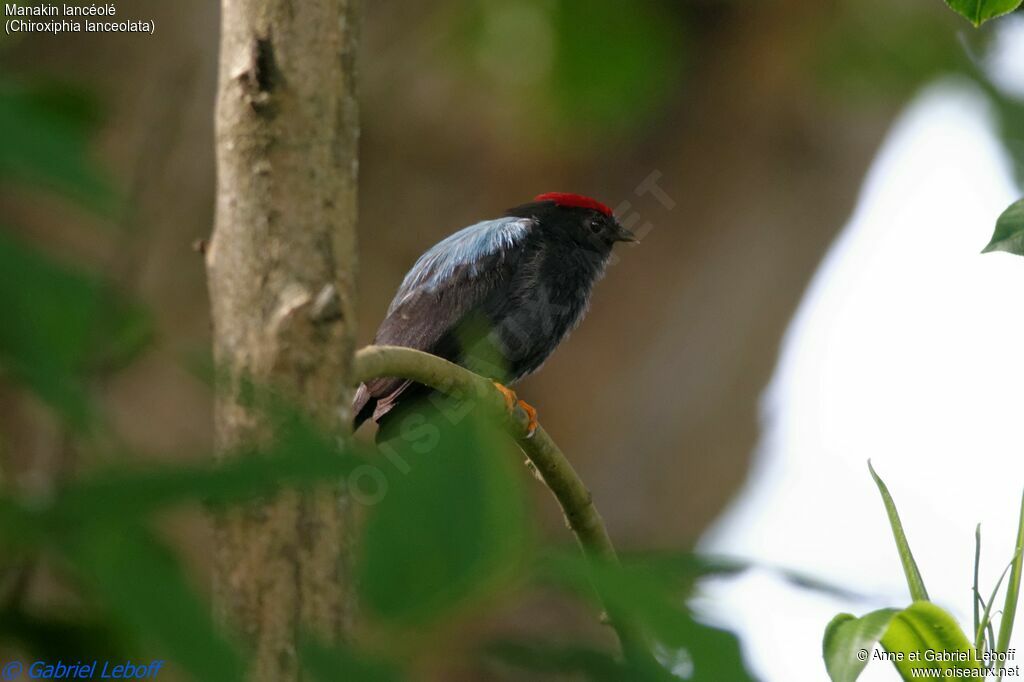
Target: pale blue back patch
[467, 247]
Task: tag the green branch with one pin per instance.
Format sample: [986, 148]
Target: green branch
[547, 459]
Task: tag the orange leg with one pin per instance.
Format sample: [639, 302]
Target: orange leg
[512, 401]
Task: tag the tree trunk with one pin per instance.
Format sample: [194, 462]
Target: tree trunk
[281, 267]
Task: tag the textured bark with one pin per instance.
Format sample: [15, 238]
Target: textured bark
[281, 267]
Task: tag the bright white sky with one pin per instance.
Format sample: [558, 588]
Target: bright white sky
[906, 349]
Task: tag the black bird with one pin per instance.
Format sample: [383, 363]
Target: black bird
[497, 297]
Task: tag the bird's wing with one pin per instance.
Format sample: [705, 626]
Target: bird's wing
[468, 254]
[444, 286]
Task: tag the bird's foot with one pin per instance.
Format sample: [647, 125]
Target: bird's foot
[531, 417]
[508, 394]
[512, 402]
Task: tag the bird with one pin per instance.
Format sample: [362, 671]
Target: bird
[497, 297]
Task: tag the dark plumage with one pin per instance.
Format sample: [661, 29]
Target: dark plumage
[499, 296]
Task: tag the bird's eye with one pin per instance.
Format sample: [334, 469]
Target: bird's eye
[594, 224]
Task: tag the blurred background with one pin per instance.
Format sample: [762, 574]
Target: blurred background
[812, 182]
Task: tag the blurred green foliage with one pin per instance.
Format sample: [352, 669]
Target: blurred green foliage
[612, 68]
[651, 594]
[877, 52]
[863, 59]
[327, 664]
[62, 325]
[574, 65]
[141, 586]
[46, 127]
[884, 51]
[459, 520]
[450, 534]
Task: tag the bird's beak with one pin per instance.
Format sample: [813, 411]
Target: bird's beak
[624, 235]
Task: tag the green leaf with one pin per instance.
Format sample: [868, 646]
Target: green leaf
[144, 588]
[44, 141]
[61, 323]
[923, 628]
[909, 637]
[301, 456]
[1009, 234]
[339, 663]
[914, 580]
[1012, 588]
[649, 597]
[848, 637]
[979, 11]
[450, 522]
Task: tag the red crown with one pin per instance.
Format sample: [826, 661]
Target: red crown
[574, 200]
